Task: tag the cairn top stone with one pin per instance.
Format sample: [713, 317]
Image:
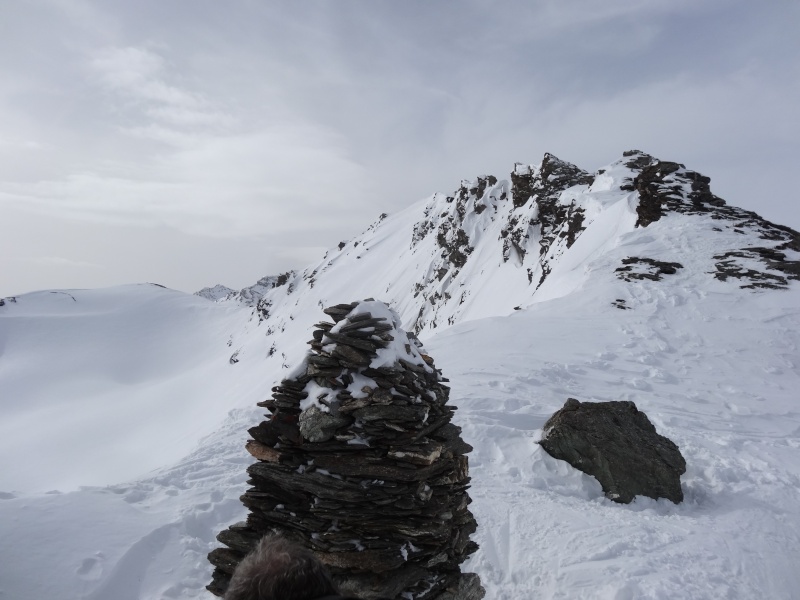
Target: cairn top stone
[618, 445]
[370, 335]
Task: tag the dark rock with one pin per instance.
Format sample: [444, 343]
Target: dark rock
[662, 187]
[555, 220]
[732, 264]
[318, 426]
[645, 268]
[574, 226]
[369, 586]
[638, 159]
[403, 414]
[350, 340]
[339, 311]
[616, 443]
[238, 538]
[620, 303]
[466, 587]
[225, 560]
[553, 177]
[451, 435]
[456, 244]
[351, 355]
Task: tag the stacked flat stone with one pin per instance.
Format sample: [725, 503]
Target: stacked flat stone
[359, 462]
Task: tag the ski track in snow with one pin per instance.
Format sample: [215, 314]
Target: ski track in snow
[715, 368]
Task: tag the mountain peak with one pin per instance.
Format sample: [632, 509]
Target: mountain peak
[498, 244]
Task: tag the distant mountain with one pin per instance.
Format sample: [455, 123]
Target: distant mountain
[217, 292]
[124, 411]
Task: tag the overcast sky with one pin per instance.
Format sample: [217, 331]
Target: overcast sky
[194, 142]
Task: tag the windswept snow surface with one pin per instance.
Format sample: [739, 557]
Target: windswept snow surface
[715, 367]
[94, 381]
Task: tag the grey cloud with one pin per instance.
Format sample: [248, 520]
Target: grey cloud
[303, 121]
[58, 262]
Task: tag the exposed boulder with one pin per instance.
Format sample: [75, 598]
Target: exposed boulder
[618, 445]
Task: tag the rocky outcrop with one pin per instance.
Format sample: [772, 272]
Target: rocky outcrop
[635, 267]
[667, 186]
[619, 446]
[526, 215]
[546, 183]
[776, 270]
[359, 462]
[554, 220]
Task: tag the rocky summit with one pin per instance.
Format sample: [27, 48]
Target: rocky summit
[359, 462]
[514, 238]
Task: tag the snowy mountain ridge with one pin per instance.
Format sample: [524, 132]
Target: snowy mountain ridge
[126, 410]
[437, 259]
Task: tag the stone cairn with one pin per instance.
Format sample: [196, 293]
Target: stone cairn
[359, 462]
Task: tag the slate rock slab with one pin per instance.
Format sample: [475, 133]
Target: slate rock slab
[618, 445]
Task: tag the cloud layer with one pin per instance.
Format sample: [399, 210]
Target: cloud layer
[286, 127]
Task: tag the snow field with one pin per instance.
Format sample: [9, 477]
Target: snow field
[726, 398]
[547, 531]
[101, 386]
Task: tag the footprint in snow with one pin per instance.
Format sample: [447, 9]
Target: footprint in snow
[91, 569]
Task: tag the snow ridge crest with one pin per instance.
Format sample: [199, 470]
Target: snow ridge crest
[495, 245]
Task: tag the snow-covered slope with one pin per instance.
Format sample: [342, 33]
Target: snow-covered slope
[634, 283]
[494, 245]
[93, 382]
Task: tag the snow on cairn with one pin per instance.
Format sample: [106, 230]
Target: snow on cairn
[359, 462]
